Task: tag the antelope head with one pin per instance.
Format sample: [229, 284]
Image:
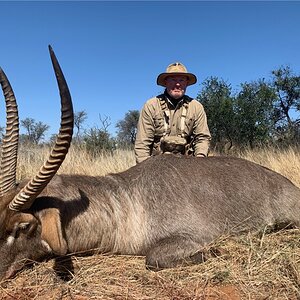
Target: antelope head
[21, 232]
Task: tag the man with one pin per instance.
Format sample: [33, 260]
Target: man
[172, 122]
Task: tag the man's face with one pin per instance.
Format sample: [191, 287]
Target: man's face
[176, 85]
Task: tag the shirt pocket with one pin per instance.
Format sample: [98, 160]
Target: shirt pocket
[189, 123]
[159, 125]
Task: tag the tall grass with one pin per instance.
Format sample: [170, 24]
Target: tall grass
[78, 161]
[283, 161]
[251, 266]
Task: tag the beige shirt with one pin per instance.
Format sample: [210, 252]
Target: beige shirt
[151, 126]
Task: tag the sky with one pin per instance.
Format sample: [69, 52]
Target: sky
[111, 52]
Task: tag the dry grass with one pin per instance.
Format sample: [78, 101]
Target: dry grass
[285, 162]
[77, 161]
[254, 266]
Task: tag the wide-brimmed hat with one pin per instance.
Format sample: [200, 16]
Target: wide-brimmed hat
[176, 68]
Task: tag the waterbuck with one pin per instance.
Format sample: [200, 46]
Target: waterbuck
[166, 208]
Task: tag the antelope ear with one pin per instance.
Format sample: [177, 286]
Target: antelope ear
[52, 231]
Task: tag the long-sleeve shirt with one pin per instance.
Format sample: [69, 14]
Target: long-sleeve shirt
[151, 126]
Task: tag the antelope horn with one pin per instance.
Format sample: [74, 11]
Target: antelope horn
[24, 199]
[10, 140]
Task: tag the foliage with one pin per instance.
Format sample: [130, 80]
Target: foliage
[253, 111]
[287, 87]
[96, 139]
[35, 131]
[218, 102]
[259, 114]
[127, 128]
[99, 139]
[79, 118]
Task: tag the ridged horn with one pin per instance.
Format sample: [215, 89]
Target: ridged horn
[9, 149]
[24, 199]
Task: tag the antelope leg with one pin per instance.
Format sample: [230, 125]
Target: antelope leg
[174, 251]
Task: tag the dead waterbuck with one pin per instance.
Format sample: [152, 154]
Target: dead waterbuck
[166, 208]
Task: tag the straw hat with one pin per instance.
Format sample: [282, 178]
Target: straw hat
[176, 68]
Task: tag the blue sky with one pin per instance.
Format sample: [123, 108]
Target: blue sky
[111, 52]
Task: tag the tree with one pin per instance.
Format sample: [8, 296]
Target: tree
[35, 130]
[99, 139]
[253, 113]
[79, 118]
[127, 127]
[219, 106]
[96, 140]
[260, 113]
[287, 86]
